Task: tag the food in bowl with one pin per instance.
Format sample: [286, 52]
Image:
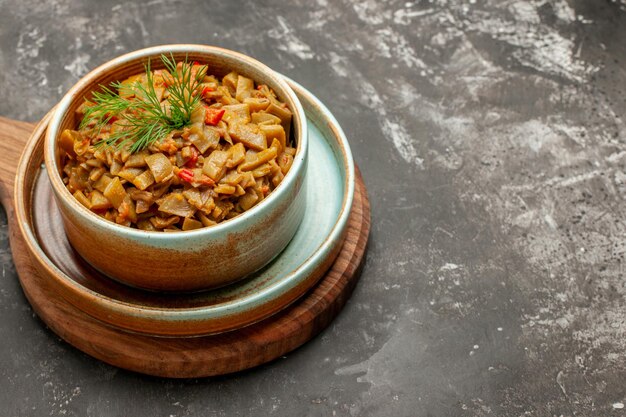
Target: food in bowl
[177, 148]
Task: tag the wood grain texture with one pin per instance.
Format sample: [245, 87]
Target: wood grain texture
[198, 356]
[13, 136]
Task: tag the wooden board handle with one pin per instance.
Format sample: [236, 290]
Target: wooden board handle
[13, 138]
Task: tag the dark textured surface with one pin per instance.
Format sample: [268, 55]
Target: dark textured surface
[491, 137]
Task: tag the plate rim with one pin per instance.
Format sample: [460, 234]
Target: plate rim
[318, 113]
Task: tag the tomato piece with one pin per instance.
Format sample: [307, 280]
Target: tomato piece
[111, 118]
[185, 175]
[212, 116]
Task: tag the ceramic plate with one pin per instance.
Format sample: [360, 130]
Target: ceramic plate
[330, 191]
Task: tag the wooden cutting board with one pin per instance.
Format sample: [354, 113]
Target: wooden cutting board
[183, 357]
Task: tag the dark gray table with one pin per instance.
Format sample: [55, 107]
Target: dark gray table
[491, 137]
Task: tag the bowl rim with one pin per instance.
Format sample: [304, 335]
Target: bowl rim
[156, 237]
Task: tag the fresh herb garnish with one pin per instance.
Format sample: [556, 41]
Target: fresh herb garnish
[143, 120]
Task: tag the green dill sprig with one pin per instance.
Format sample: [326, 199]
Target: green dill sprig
[143, 119]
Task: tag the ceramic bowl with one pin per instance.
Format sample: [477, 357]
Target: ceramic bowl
[187, 260]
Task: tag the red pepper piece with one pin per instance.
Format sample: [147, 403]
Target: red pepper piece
[212, 116]
[194, 158]
[185, 175]
[196, 63]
